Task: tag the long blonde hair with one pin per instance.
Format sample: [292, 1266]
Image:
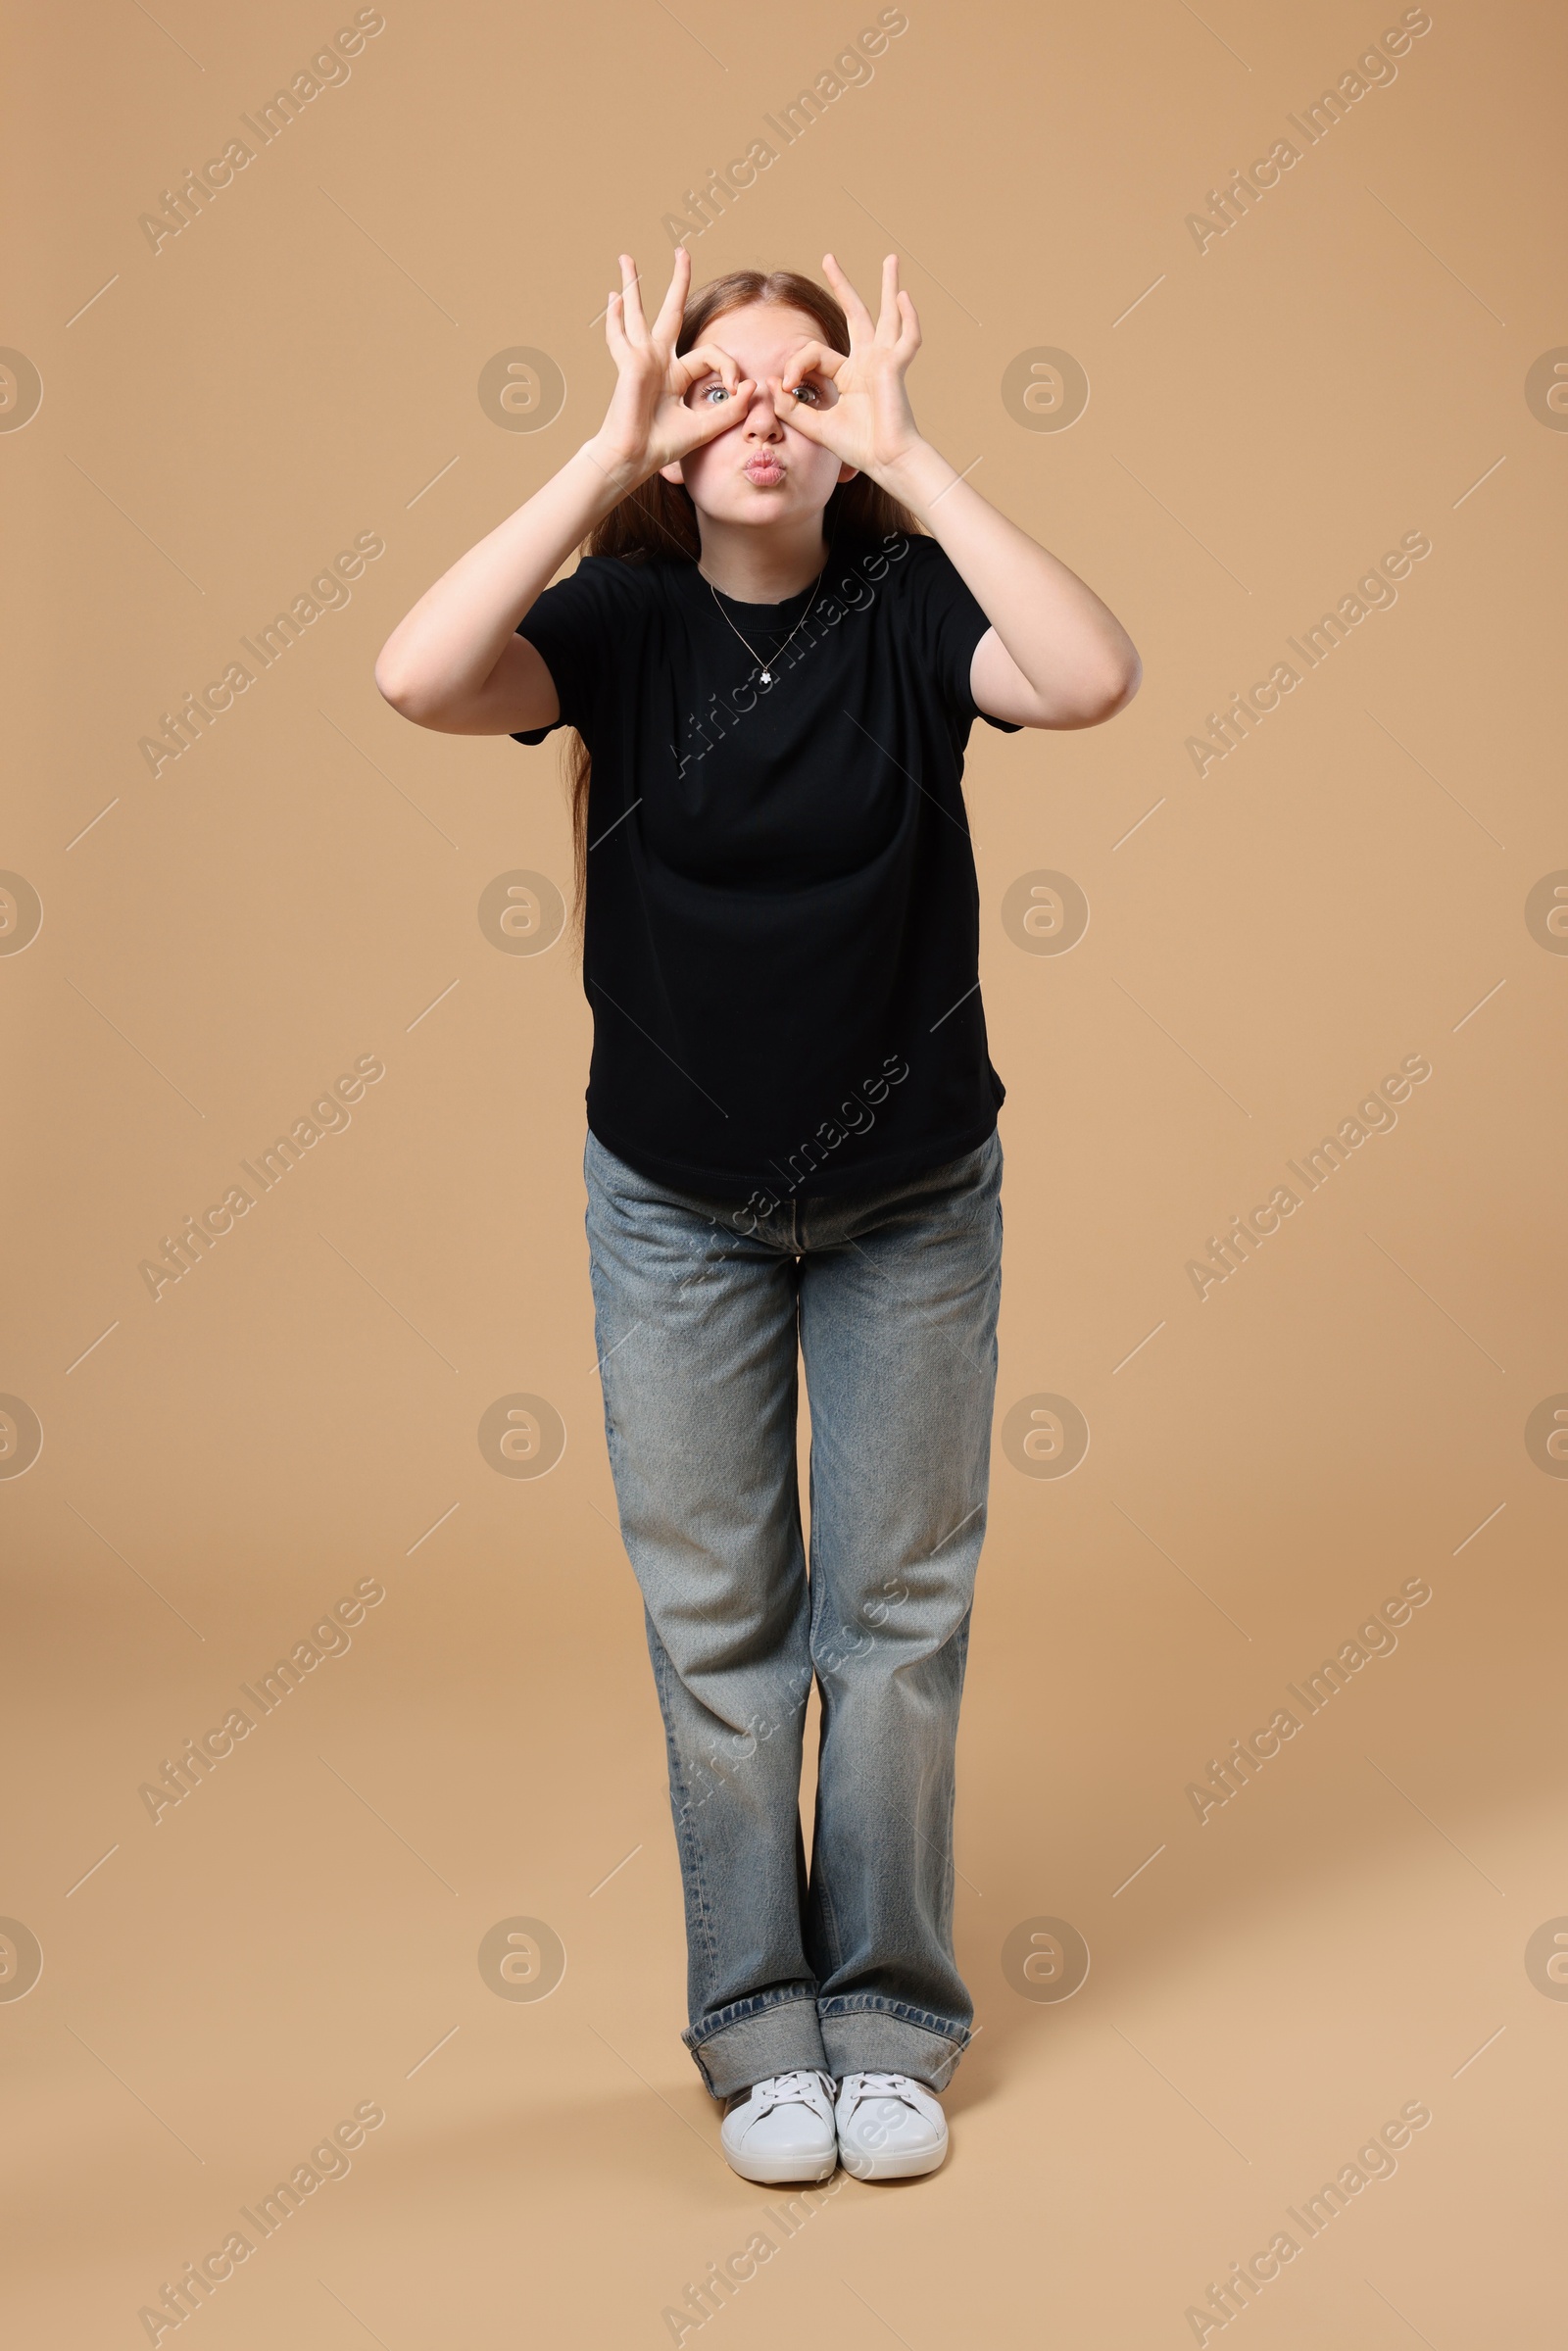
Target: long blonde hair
[659, 519]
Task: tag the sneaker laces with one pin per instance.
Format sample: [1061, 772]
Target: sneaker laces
[878, 2085]
[801, 2087]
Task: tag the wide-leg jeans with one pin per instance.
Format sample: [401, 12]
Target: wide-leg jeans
[704, 1309]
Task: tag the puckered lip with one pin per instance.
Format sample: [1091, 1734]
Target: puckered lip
[772, 468]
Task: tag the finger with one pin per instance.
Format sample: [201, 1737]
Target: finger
[705, 359]
[811, 359]
[631, 302]
[796, 412]
[667, 327]
[712, 417]
[615, 330]
[862, 328]
[888, 317]
[909, 342]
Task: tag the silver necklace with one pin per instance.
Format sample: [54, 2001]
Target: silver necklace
[768, 672]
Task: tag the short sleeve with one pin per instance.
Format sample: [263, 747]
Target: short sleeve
[948, 623]
[572, 626]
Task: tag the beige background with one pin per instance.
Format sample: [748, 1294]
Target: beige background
[219, 418]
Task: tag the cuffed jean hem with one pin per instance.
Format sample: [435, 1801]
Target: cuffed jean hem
[775, 2033]
[866, 2035]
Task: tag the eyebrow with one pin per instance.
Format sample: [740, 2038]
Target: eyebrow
[713, 374]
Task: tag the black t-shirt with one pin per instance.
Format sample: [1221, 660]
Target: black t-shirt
[781, 933]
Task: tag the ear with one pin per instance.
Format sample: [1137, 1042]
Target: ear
[847, 473]
[672, 473]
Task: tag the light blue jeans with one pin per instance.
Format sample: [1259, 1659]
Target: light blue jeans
[702, 1308]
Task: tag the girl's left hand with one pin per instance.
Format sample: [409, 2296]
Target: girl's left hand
[869, 423]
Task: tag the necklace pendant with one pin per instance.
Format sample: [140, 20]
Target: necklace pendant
[768, 677]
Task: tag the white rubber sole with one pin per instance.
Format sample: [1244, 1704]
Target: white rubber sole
[892, 2164]
[777, 2170]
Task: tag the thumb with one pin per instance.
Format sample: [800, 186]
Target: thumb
[709, 419]
[806, 420]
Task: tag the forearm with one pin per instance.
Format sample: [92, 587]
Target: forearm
[1069, 646]
[441, 653]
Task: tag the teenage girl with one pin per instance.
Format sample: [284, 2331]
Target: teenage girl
[789, 611]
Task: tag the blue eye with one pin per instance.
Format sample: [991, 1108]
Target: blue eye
[710, 390]
[808, 391]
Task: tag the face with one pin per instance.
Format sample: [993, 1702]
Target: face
[761, 469]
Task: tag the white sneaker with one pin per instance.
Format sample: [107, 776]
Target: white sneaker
[782, 2129]
[889, 2127]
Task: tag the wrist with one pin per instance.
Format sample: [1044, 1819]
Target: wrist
[918, 477]
[618, 473]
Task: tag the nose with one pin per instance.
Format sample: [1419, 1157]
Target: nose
[763, 422]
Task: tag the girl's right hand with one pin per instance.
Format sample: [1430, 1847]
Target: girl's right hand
[647, 423]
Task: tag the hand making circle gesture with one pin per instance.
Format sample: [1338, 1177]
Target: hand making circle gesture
[647, 423]
[869, 424]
